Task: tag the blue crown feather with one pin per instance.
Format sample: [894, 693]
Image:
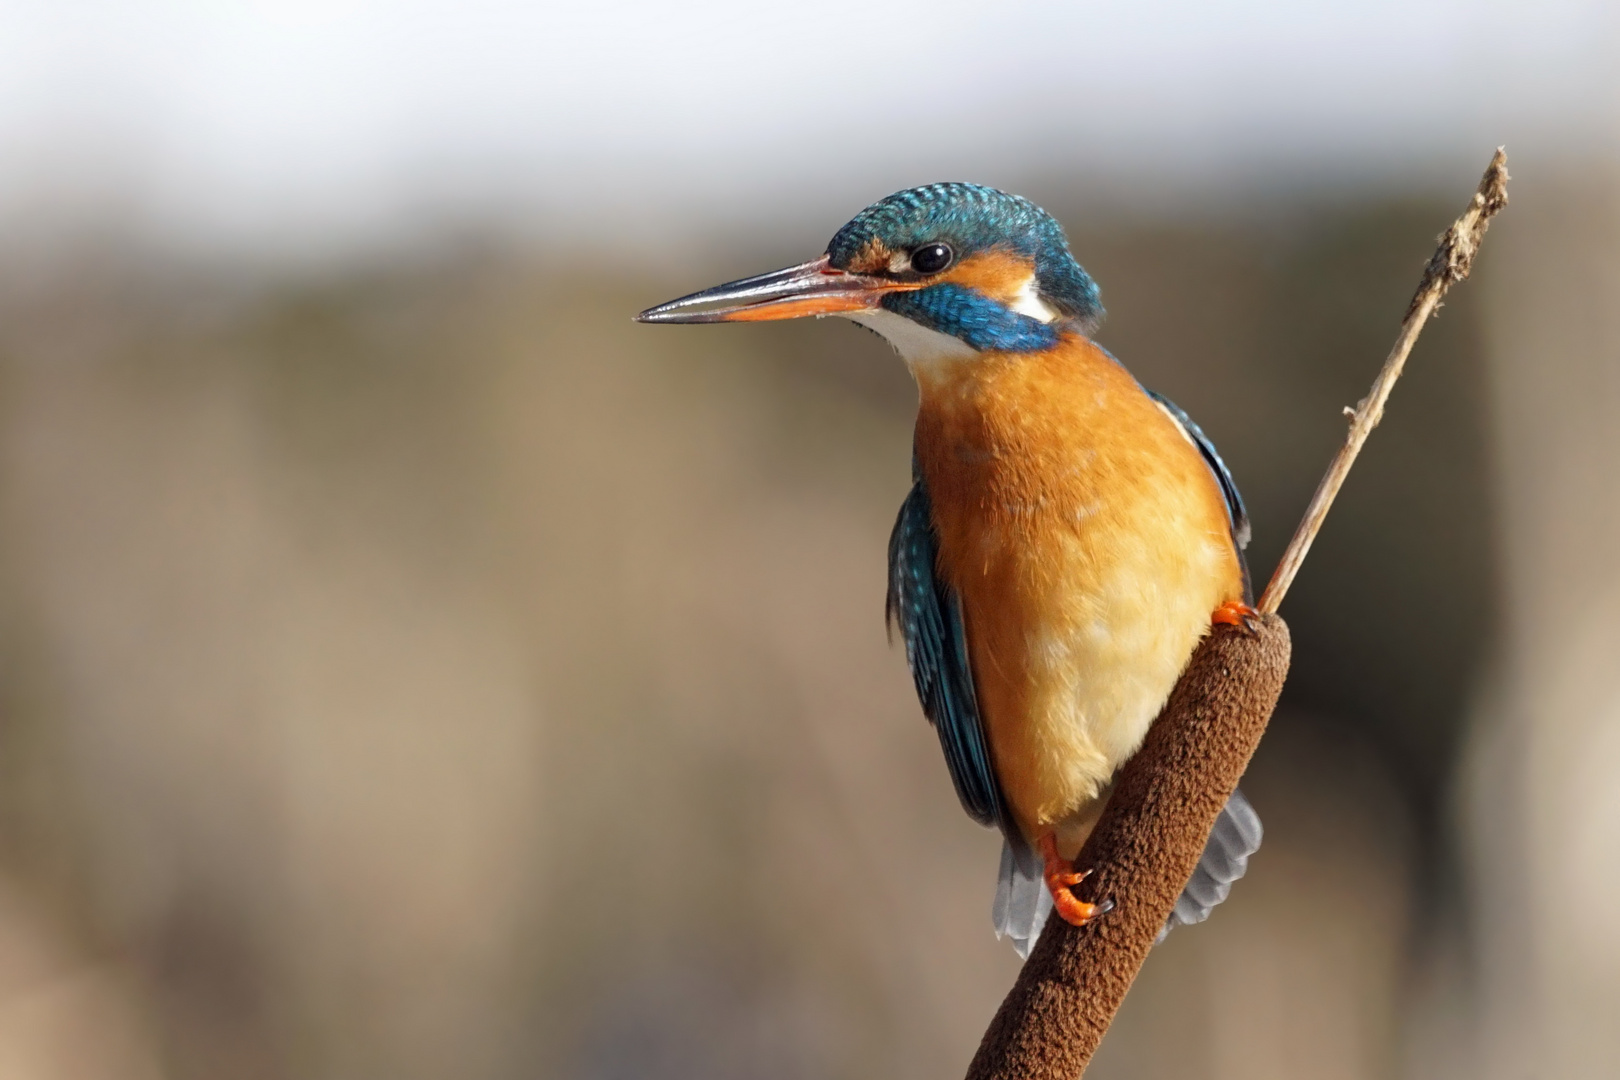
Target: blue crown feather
[972, 218]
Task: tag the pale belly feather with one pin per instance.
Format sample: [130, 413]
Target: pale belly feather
[1101, 650]
[1089, 544]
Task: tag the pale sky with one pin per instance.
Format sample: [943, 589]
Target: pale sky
[253, 125]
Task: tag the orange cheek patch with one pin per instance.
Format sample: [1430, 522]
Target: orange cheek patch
[997, 274]
[872, 259]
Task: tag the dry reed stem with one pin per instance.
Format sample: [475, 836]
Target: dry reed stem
[1450, 264]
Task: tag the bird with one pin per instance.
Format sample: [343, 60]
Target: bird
[1068, 539]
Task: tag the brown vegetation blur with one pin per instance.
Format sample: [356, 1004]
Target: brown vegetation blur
[426, 672]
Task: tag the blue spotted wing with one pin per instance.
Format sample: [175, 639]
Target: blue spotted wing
[929, 616]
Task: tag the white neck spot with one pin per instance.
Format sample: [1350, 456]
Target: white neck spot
[1027, 301]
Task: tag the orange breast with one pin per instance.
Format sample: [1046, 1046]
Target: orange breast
[1089, 543]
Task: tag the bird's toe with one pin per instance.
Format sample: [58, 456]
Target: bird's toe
[1237, 613]
[1061, 877]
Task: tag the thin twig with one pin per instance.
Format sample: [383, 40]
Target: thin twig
[1450, 264]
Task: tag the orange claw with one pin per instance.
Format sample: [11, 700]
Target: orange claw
[1236, 613]
[1060, 876]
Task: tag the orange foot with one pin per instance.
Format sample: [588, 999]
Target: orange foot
[1060, 876]
[1237, 613]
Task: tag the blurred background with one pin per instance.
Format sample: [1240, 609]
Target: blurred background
[410, 668]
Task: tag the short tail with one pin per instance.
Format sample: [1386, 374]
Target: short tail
[1236, 836]
[1022, 902]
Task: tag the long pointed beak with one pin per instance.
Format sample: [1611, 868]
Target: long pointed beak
[812, 288]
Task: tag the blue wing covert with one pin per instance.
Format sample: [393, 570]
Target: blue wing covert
[930, 620]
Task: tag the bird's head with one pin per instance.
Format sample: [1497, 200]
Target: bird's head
[941, 271]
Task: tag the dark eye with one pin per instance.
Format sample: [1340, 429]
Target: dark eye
[931, 258]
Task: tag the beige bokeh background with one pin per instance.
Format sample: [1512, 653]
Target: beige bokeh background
[422, 671]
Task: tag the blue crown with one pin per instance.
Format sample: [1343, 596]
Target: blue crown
[973, 218]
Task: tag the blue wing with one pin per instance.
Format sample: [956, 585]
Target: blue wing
[930, 619]
[1236, 516]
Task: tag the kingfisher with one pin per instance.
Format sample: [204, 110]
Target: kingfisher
[1068, 539]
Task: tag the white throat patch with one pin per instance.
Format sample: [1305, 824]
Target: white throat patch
[921, 346]
[915, 344]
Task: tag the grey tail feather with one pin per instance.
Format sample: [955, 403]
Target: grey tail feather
[1236, 836]
[1022, 902]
